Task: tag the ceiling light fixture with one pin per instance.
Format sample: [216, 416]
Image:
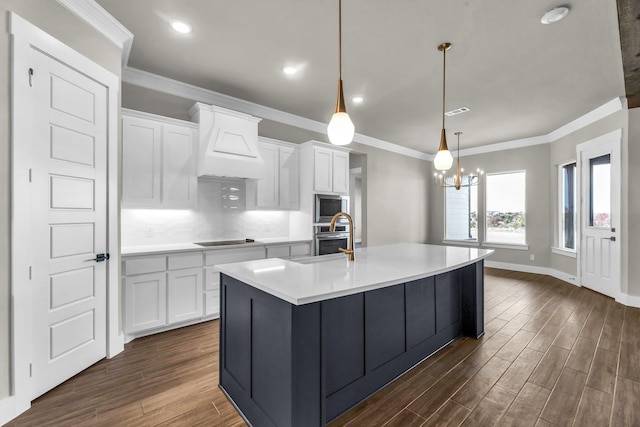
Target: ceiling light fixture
[289, 70]
[555, 15]
[443, 159]
[340, 129]
[457, 111]
[459, 180]
[357, 99]
[181, 27]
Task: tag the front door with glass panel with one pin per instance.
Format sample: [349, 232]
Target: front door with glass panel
[600, 214]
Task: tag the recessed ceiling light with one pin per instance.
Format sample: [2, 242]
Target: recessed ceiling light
[289, 70]
[181, 27]
[357, 99]
[555, 15]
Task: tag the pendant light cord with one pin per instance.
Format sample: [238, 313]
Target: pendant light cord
[339, 39]
[444, 76]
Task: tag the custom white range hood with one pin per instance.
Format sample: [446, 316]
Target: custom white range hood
[228, 143]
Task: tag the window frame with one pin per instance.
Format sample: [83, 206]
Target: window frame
[472, 242]
[560, 247]
[504, 245]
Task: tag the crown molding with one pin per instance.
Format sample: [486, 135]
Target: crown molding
[599, 113]
[94, 15]
[169, 86]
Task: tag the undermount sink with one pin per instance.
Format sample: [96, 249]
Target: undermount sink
[226, 242]
[319, 258]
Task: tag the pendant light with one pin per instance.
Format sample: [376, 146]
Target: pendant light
[459, 180]
[443, 159]
[340, 129]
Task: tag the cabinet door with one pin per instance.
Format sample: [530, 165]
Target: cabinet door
[267, 187]
[341, 172]
[179, 178]
[289, 184]
[141, 162]
[322, 170]
[184, 295]
[145, 303]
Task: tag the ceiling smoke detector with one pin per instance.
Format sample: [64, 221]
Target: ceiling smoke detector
[457, 111]
[555, 15]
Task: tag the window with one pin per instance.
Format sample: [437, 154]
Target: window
[461, 212]
[567, 191]
[600, 187]
[505, 216]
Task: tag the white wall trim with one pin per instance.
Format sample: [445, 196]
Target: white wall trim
[564, 252]
[8, 410]
[592, 116]
[565, 277]
[169, 86]
[26, 37]
[150, 116]
[93, 14]
[628, 300]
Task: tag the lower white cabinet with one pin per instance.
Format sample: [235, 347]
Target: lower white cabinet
[184, 294]
[145, 302]
[211, 291]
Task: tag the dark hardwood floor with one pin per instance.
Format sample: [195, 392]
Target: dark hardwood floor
[553, 355]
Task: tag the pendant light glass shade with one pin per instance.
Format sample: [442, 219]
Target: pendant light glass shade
[340, 129]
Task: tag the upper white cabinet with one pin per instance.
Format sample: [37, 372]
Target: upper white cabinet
[158, 162]
[330, 169]
[279, 185]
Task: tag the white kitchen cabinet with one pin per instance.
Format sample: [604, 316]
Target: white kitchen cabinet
[211, 291]
[288, 250]
[145, 304]
[158, 162]
[278, 187]
[184, 294]
[330, 171]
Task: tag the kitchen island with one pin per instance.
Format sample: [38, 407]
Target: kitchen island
[302, 342]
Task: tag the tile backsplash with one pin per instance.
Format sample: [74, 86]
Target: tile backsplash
[221, 215]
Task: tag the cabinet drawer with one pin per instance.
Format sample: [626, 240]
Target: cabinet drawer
[211, 303]
[143, 265]
[188, 260]
[224, 256]
[279, 251]
[300, 249]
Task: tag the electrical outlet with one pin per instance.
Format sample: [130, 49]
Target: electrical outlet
[532, 257]
[149, 231]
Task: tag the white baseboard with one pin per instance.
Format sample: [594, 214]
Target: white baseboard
[565, 277]
[10, 409]
[622, 298]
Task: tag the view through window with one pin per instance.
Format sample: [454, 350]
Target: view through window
[461, 212]
[600, 186]
[505, 208]
[568, 206]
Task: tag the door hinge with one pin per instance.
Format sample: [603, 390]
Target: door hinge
[30, 272]
[30, 175]
[30, 370]
[30, 76]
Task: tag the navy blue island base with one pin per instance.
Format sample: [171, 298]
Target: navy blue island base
[285, 365]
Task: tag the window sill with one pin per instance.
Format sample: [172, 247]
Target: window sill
[565, 252]
[505, 246]
[461, 242]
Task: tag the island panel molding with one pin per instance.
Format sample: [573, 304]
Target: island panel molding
[284, 363]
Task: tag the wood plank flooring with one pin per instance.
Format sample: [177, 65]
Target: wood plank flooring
[553, 355]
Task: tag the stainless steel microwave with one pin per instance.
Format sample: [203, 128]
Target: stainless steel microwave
[327, 205]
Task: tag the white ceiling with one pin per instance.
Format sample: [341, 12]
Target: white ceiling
[519, 78]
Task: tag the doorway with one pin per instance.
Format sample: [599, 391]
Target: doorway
[599, 255]
[65, 313]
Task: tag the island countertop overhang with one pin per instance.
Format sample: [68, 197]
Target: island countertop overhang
[375, 267]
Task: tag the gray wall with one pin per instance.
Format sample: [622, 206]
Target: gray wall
[61, 24]
[535, 161]
[634, 202]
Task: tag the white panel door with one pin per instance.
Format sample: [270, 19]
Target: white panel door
[289, 178]
[141, 162]
[322, 170]
[600, 214]
[68, 222]
[341, 172]
[178, 167]
[267, 194]
[184, 294]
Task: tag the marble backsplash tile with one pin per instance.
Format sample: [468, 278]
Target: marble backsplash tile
[221, 215]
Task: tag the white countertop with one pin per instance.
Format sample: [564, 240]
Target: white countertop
[181, 247]
[375, 267]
